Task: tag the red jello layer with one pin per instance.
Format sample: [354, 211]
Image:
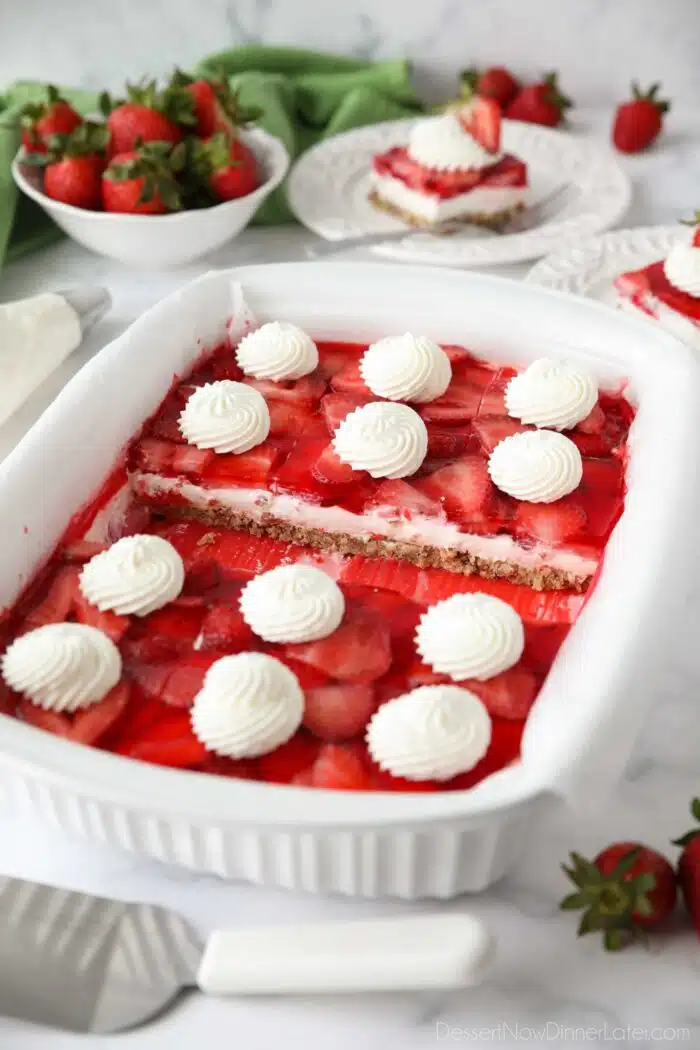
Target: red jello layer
[398, 163]
[652, 280]
[464, 425]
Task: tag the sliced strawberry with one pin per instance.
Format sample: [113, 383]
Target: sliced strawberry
[237, 769]
[248, 468]
[417, 673]
[635, 283]
[385, 573]
[304, 391]
[494, 429]
[504, 749]
[482, 119]
[459, 404]
[401, 499]
[590, 444]
[8, 700]
[59, 601]
[110, 623]
[188, 459]
[594, 422]
[349, 381]
[201, 578]
[288, 418]
[153, 456]
[553, 523]
[287, 761]
[225, 366]
[80, 551]
[186, 678]
[308, 676]
[303, 779]
[337, 712]
[429, 586]
[225, 631]
[510, 172]
[91, 725]
[177, 625]
[242, 556]
[448, 442]
[358, 651]
[383, 781]
[493, 401]
[340, 769]
[49, 721]
[330, 468]
[510, 694]
[170, 742]
[603, 475]
[463, 488]
[334, 356]
[136, 519]
[542, 645]
[166, 427]
[335, 407]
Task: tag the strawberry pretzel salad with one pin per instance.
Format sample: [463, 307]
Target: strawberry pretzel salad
[327, 564]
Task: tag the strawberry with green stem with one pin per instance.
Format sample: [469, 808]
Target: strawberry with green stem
[41, 120]
[148, 114]
[541, 103]
[688, 867]
[216, 106]
[638, 122]
[144, 181]
[627, 889]
[225, 166]
[73, 165]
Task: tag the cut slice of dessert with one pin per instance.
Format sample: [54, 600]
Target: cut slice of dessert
[667, 292]
[401, 449]
[452, 169]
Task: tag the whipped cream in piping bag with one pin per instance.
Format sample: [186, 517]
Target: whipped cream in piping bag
[551, 394]
[682, 268]
[406, 368]
[225, 416]
[432, 733]
[277, 351]
[249, 704]
[292, 603]
[133, 577]
[385, 438]
[538, 466]
[470, 636]
[62, 666]
[443, 144]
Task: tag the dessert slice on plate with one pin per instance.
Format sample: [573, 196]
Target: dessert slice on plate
[668, 291]
[452, 169]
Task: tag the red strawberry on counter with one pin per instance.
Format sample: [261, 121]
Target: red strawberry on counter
[74, 164]
[496, 83]
[625, 890]
[39, 121]
[688, 868]
[147, 115]
[143, 181]
[638, 122]
[226, 166]
[541, 103]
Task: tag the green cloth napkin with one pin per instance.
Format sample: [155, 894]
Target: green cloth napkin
[306, 96]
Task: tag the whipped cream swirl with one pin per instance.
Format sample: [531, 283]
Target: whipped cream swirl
[682, 268]
[406, 368]
[225, 416]
[444, 144]
[277, 351]
[387, 439]
[538, 466]
[470, 636]
[249, 704]
[62, 666]
[292, 603]
[431, 733]
[134, 577]
[551, 394]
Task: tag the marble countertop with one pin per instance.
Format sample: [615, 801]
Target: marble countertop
[545, 986]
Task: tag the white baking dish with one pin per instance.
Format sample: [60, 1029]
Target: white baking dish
[581, 731]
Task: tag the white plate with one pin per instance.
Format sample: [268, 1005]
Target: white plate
[589, 268]
[328, 189]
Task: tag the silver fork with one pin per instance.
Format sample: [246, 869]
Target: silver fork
[544, 210]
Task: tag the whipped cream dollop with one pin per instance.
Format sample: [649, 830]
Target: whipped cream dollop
[225, 416]
[133, 577]
[292, 603]
[277, 351]
[682, 268]
[62, 666]
[551, 394]
[249, 704]
[385, 438]
[444, 144]
[470, 636]
[406, 368]
[432, 733]
[538, 466]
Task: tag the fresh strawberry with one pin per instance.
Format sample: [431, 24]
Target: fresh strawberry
[283, 764]
[58, 602]
[329, 467]
[688, 868]
[337, 712]
[493, 429]
[510, 694]
[541, 103]
[335, 407]
[627, 888]
[168, 742]
[247, 468]
[188, 459]
[110, 623]
[143, 181]
[225, 166]
[481, 118]
[348, 380]
[496, 82]
[339, 768]
[40, 121]
[401, 499]
[638, 122]
[216, 106]
[358, 651]
[147, 115]
[462, 488]
[73, 166]
[225, 631]
[553, 523]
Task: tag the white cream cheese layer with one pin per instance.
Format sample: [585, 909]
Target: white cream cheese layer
[483, 200]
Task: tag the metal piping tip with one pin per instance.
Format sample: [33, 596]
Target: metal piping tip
[91, 303]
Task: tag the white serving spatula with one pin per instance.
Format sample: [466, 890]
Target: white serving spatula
[90, 964]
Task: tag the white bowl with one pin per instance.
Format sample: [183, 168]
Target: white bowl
[581, 730]
[162, 241]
